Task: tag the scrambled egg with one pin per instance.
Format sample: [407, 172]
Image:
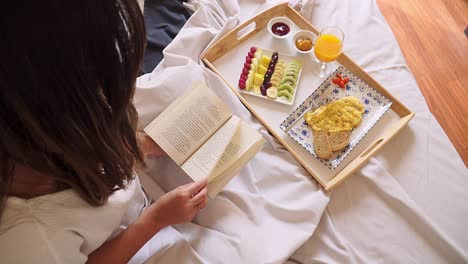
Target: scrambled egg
[341, 115]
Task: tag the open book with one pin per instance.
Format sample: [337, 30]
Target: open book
[200, 133]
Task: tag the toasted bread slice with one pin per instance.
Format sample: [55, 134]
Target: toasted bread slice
[322, 145]
[338, 140]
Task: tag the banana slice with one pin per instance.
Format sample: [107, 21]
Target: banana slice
[279, 64]
[274, 83]
[278, 70]
[276, 75]
[275, 80]
[272, 92]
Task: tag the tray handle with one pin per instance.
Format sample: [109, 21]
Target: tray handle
[249, 28]
[238, 34]
[259, 22]
[368, 153]
[369, 149]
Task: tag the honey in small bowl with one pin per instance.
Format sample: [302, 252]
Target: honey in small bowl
[304, 41]
[304, 44]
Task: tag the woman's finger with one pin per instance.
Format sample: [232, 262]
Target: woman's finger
[195, 187]
[203, 204]
[199, 197]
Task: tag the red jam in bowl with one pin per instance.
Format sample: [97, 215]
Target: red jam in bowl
[280, 29]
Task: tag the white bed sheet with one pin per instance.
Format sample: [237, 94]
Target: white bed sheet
[407, 205]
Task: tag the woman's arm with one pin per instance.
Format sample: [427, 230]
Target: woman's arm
[178, 206]
[125, 245]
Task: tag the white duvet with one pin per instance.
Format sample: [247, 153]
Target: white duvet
[407, 205]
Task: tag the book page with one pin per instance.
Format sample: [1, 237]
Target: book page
[218, 183]
[188, 122]
[243, 140]
[205, 159]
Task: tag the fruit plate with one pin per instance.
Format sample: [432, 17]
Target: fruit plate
[375, 105]
[287, 59]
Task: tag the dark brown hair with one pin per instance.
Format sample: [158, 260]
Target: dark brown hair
[67, 79]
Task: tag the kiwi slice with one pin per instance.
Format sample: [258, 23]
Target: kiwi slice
[294, 68]
[286, 87]
[291, 74]
[291, 70]
[295, 62]
[288, 79]
[284, 94]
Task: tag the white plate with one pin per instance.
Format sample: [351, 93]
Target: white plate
[374, 102]
[287, 59]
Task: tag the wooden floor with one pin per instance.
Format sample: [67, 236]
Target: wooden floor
[430, 34]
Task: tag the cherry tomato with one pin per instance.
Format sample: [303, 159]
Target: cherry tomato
[342, 85]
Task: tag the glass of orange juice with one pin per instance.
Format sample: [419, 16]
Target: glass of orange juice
[328, 47]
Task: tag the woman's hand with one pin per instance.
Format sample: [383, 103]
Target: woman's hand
[148, 146]
[178, 206]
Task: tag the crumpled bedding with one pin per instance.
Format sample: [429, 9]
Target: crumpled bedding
[405, 206]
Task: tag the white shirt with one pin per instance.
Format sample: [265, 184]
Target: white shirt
[62, 228]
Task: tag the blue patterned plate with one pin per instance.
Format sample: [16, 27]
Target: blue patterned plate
[375, 106]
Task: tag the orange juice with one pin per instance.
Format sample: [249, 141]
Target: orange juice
[327, 47]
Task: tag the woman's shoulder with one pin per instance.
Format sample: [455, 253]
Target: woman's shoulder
[67, 203]
[58, 217]
[28, 240]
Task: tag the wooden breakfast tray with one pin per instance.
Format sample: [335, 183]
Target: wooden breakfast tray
[226, 58]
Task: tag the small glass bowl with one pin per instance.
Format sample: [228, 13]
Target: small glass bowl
[284, 20]
[304, 34]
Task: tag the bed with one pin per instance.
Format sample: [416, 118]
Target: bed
[407, 205]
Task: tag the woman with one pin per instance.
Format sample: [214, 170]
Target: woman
[68, 140]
